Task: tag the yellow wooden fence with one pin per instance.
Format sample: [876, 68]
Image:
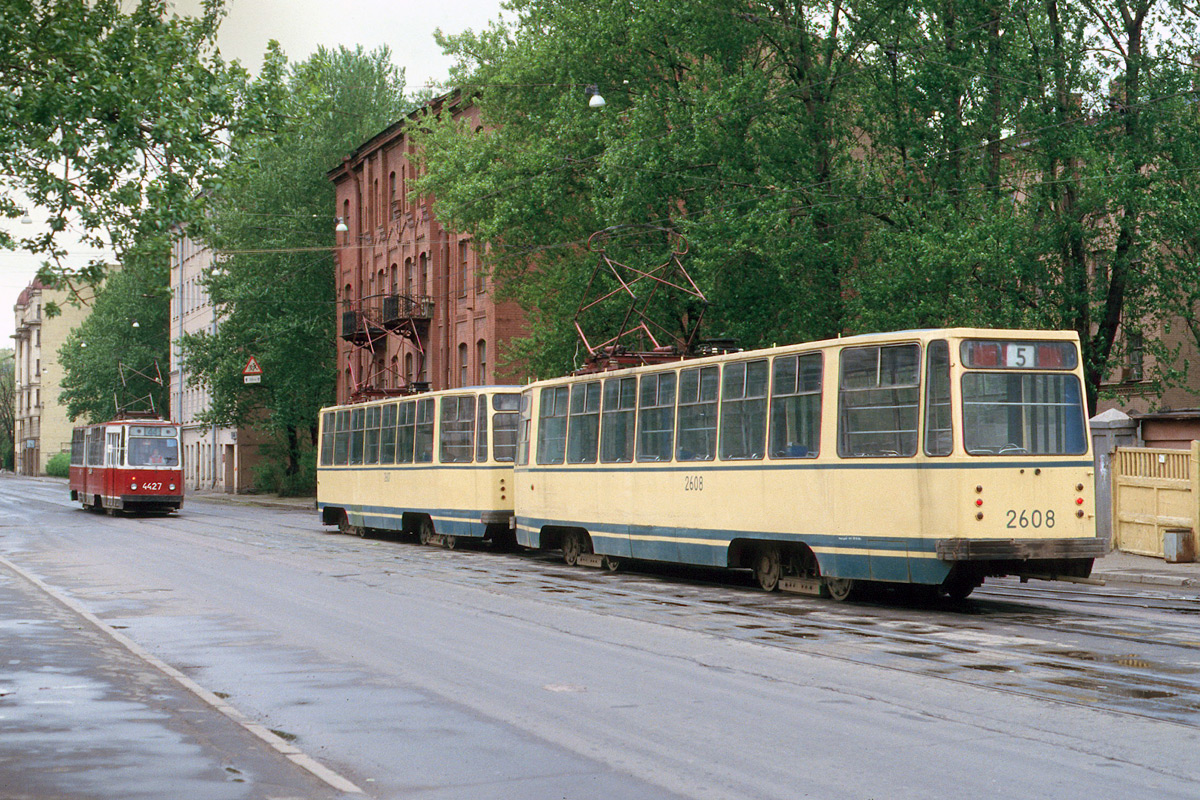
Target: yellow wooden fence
[1153, 489]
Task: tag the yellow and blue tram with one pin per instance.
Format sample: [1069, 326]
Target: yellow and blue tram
[437, 465]
[933, 457]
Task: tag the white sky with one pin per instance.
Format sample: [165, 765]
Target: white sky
[406, 26]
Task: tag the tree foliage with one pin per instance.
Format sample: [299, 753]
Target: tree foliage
[111, 364]
[840, 166]
[112, 119]
[272, 227]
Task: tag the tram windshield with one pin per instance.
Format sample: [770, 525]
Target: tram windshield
[1012, 414]
[153, 452]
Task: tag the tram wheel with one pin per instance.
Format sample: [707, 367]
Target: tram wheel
[450, 542]
[572, 547]
[345, 527]
[425, 531]
[840, 588]
[958, 590]
[768, 568]
[612, 564]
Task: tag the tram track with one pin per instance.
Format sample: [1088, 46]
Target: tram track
[999, 650]
[1040, 642]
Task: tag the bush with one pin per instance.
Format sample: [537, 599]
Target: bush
[270, 475]
[59, 465]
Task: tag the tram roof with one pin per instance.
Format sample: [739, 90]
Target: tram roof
[909, 335]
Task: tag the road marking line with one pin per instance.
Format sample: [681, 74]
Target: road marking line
[285, 748]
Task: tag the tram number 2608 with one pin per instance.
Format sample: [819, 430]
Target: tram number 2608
[693, 483]
[1025, 518]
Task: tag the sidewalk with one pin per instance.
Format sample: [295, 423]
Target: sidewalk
[1130, 568]
[264, 500]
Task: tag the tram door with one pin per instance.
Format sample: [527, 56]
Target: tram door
[112, 460]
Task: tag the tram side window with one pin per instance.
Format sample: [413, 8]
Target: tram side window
[77, 447]
[552, 425]
[617, 420]
[406, 424]
[341, 440]
[939, 421]
[525, 423]
[423, 432]
[327, 432]
[372, 434]
[95, 447]
[457, 431]
[877, 401]
[744, 410]
[481, 429]
[796, 406]
[357, 438]
[697, 415]
[583, 432]
[504, 426]
[387, 434]
[656, 417]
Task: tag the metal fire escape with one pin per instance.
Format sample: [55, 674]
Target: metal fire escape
[369, 324]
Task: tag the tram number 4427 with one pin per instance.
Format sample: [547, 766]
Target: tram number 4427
[1025, 518]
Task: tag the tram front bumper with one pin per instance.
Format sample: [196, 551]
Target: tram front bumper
[1020, 549]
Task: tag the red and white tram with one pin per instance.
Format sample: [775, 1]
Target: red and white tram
[127, 464]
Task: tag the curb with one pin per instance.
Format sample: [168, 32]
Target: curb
[1146, 578]
[270, 738]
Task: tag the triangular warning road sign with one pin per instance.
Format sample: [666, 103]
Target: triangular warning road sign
[252, 367]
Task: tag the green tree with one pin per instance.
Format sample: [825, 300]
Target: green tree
[119, 357]
[271, 223]
[838, 167]
[112, 119]
[8, 408]
[727, 124]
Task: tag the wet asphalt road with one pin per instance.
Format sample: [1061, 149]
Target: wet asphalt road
[418, 672]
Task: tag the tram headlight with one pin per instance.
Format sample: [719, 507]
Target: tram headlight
[133, 486]
[171, 487]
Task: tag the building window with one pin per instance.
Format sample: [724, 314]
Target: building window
[481, 358]
[464, 271]
[462, 365]
[1135, 357]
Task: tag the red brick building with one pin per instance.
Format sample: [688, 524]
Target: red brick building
[415, 300]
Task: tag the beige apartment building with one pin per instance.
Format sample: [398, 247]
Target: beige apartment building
[42, 427]
[215, 458]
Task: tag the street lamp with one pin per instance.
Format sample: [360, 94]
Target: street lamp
[341, 226]
[594, 98]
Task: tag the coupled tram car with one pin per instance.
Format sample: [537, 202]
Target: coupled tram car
[130, 464]
[932, 458]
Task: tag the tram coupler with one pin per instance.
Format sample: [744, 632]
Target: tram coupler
[800, 585]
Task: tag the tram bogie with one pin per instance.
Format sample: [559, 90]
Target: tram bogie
[128, 465]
